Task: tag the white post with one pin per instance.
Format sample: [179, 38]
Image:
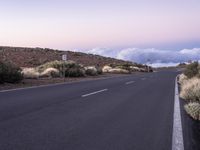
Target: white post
[64, 58]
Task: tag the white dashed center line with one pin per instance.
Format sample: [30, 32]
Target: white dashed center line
[130, 82]
[96, 92]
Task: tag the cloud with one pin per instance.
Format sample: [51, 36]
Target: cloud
[152, 56]
[104, 52]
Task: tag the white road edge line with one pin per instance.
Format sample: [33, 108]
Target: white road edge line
[130, 82]
[177, 137]
[96, 92]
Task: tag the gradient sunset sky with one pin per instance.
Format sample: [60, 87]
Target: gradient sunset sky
[86, 24]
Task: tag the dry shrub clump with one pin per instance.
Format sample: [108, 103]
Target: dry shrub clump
[56, 64]
[133, 68]
[182, 79]
[193, 109]
[50, 72]
[190, 89]
[30, 73]
[118, 70]
[106, 69]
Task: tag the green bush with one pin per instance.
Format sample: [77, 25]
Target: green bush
[90, 72]
[126, 66]
[10, 73]
[74, 72]
[192, 70]
[99, 71]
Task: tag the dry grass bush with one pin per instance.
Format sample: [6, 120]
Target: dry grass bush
[106, 69]
[118, 70]
[190, 89]
[30, 73]
[57, 65]
[50, 72]
[182, 79]
[71, 68]
[133, 68]
[193, 109]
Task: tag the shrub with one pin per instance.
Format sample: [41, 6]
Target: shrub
[118, 70]
[125, 66]
[91, 71]
[190, 90]
[191, 70]
[106, 69]
[71, 68]
[193, 109]
[143, 70]
[30, 73]
[50, 72]
[133, 68]
[182, 79]
[57, 65]
[74, 72]
[99, 71]
[10, 73]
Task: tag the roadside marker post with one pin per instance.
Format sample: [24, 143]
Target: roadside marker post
[64, 58]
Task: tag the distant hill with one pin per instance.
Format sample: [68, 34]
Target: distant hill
[32, 57]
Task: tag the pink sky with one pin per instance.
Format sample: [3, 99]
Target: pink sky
[86, 24]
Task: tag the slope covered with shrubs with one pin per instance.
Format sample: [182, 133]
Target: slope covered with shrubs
[190, 89]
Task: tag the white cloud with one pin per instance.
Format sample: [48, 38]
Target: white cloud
[103, 52]
[154, 56]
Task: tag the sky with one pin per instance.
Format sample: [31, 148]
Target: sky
[161, 26]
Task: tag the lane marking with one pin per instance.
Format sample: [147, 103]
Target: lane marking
[177, 137]
[130, 82]
[96, 92]
[54, 84]
[143, 78]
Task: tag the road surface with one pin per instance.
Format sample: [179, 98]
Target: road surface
[123, 113]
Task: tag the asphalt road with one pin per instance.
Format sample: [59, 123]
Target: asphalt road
[123, 113]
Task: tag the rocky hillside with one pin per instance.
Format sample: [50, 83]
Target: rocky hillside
[32, 57]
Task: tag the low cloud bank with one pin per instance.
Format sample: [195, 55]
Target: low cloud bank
[152, 56]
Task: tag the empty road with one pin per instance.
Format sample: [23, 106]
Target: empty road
[133, 112]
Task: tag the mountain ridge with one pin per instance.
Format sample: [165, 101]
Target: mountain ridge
[32, 57]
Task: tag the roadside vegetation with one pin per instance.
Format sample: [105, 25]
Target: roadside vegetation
[10, 73]
[126, 68]
[72, 69]
[190, 89]
[56, 70]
